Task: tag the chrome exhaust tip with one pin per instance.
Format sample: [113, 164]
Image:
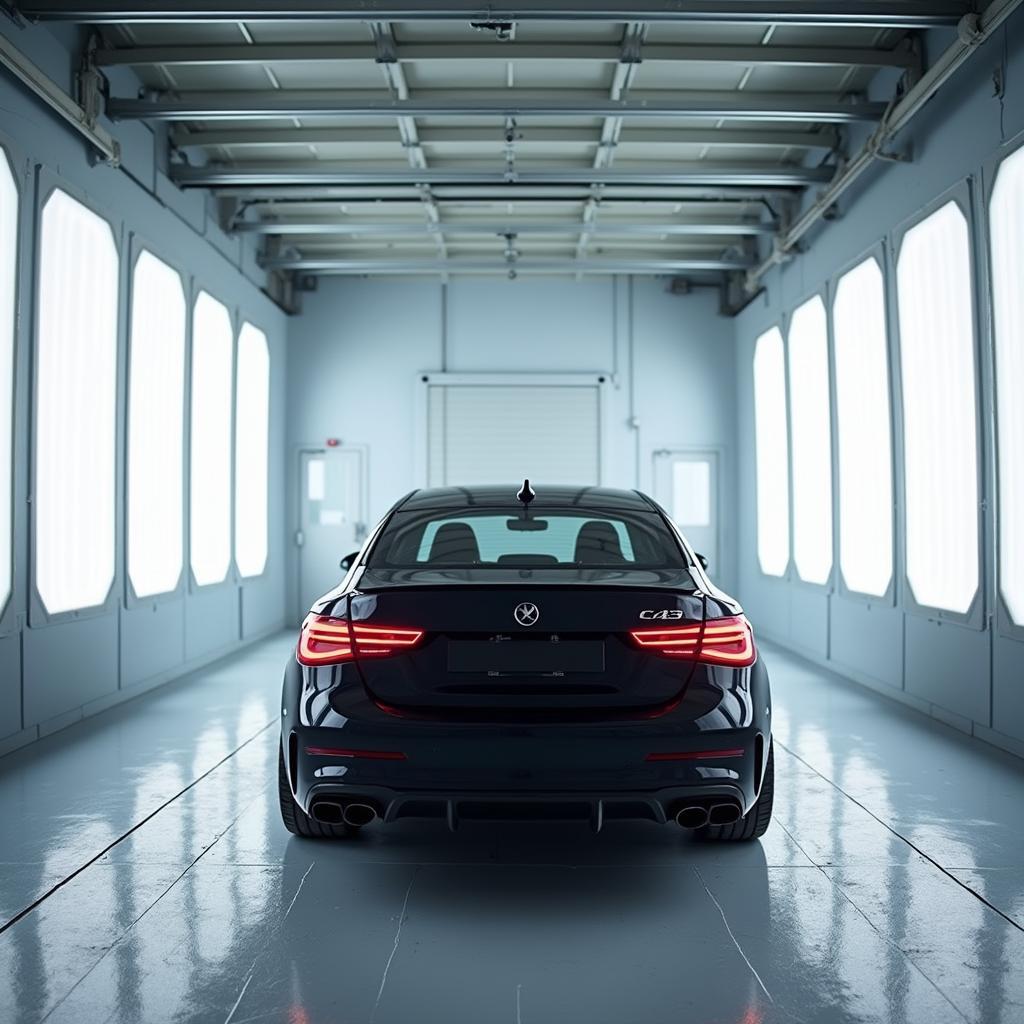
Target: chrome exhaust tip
[328, 812]
[358, 815]
[723, 814]
[692, 817]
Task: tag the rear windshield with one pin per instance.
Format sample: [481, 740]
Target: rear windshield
[549, 537]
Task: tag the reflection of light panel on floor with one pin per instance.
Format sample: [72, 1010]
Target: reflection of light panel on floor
[201, 898]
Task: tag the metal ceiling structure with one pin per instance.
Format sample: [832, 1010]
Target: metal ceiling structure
[576, 137]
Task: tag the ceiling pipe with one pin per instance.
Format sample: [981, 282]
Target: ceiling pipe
[972, 31]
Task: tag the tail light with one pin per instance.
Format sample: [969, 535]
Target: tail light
[728, 641]
[328, 641]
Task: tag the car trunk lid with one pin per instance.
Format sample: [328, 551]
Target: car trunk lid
[522, 646]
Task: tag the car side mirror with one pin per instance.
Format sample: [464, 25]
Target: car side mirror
[702, 559]
[348, 561]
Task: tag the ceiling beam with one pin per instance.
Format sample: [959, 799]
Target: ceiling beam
[525, 136]
[870, 13]
[252, 104]
[511, 226]
[528, 265]
[505, 193]
[322, 172]
[305, 53]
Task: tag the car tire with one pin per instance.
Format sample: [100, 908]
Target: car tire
[296, 820]
[755, 822]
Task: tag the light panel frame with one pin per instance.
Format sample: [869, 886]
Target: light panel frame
[822, 295]
[881, 254]
[974, 616]
[244, 322]
[138, 243]
[49, 182]
[1003, 622]
[230, 577]
[785, 573]
[9, 585]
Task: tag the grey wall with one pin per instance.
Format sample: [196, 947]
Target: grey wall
[970, 676]
[51, 674]
[359, 347]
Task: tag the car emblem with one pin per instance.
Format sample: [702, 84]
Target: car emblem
[527, 613]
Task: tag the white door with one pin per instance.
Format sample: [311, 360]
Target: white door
[331, 517]
[686, 486]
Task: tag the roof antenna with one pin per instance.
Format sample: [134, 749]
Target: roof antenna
[526, 493]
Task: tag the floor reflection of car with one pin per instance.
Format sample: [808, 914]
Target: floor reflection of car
[558, 654]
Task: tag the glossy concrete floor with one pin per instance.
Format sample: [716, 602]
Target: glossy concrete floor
[145, 877]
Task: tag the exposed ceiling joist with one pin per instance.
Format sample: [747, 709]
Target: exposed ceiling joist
[322, 172]
[239, 105]
[503, 193]
[876, 13]
[183, 138]
[305, 53]
[552, 265]
[826, 139]
[326, 227]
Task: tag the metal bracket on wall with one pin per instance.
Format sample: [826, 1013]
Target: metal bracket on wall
[82, 119]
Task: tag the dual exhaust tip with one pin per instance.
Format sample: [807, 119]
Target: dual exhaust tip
[697, 816]
[334, 812]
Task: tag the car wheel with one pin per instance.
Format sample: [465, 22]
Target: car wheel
[296, 820]
[755, 822]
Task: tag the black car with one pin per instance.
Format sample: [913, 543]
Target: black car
[558, 654]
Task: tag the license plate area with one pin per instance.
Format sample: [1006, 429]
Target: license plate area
[530, 657]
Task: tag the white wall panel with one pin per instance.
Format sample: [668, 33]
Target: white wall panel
[496, 325]
[76, 655]
[152, 640]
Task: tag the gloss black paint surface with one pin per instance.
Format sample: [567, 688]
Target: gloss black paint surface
[578, 742]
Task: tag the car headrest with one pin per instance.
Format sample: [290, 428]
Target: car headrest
[597, 543]
[455, 542]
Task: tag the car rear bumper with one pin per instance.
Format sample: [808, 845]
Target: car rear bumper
[456, 806]
[639, 768]
[431, 771]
